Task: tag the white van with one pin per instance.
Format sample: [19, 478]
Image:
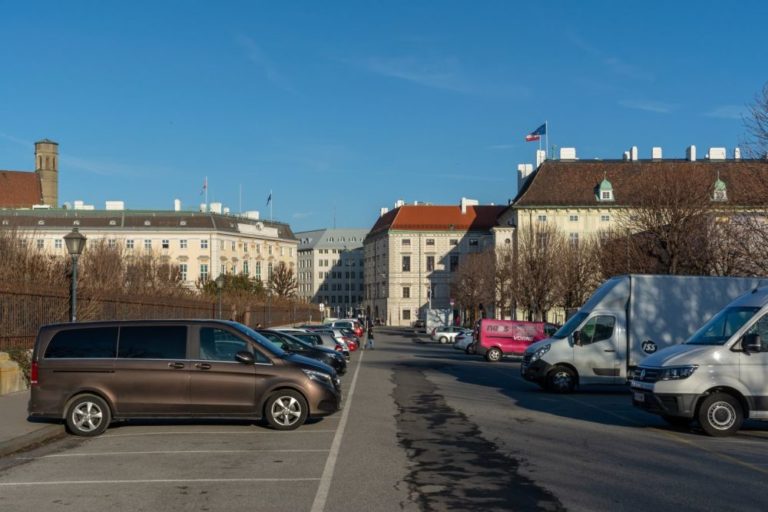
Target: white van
[718, 377]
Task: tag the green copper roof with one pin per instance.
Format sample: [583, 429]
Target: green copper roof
[605, 184]
[720, 185]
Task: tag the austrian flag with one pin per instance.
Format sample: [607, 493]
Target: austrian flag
[537, 133]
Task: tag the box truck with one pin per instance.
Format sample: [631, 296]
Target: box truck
[628, 318]
[719, 376]
[435, 318]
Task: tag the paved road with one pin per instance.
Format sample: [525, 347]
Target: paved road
[424, 427]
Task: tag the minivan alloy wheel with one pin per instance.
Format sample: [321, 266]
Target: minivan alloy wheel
[88, 415]
[286, 410]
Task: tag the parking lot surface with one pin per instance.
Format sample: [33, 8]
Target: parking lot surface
[424, 427]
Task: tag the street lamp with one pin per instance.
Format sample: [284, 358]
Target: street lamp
[75, 244]
[219, 286]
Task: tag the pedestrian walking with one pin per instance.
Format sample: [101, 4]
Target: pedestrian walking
[369, 343]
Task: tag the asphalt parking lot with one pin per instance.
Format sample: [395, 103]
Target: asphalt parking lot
[424, 427]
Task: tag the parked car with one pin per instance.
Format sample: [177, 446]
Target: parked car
[447, 334]
[463, 341]
[290, 342]
[91, 373]
[498, 338]
[339, 336]
[350, 323]
[325, 339]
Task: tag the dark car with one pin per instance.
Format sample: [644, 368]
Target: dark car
[292, 342]
[89, 373]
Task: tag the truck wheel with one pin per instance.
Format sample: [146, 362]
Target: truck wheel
[443, 339]
[720, 415]
[678, 421]
[88, 416]
[493, 355]
[286, 409]
[561, 380]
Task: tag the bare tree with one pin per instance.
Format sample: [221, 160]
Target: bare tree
[579, 274]
[536, 269]
[282, 282]
[473, 283]
[757, 125]
[504, 280]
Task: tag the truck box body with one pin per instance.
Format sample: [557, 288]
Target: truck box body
[627, 319]
[438, 318]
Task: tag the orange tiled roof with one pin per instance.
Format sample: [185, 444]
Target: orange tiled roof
[438, 218]
[19, 189]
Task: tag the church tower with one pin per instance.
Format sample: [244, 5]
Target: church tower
[47, 169]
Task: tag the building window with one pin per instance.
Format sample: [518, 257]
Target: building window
[234, 246]
[430, 263]
[57, 244]
[453, 241]
[204, 243]
[573, 218]
[148, 245]
[257, 270]
[183, 244]
[473, 242]
[245, 247]
[454, 262]
[541, 218]
[406, 314]
[166, 244]
[407, 241]
[203, 272]
[183, 271]
[40, 243]
[406, 292]
[111, 243]
[430, 241]
[605, 218]
[269, 250]
[245, 268]
[406, 263]
[269, 270]
[129, 244]
[573, 238]
[223, 268]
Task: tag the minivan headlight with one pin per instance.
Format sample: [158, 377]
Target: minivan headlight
[677, 372]
[540, 352]
[318, 376]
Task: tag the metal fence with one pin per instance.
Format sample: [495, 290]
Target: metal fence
[23, 312]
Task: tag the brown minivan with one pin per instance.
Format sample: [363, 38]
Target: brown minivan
[91, 373]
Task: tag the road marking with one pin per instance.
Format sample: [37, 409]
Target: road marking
[160, 481]
[167, 452]
[250, 433]
[318, 505]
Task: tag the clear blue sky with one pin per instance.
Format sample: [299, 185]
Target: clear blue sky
[353, 105]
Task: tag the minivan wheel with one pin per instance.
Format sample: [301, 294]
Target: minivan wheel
[493, 355]
[720, 415]
[88, 416]
[286, 410]
[561, 380]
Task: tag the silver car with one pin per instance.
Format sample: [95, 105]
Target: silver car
[447, 334]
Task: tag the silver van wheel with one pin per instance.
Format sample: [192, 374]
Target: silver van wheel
[561, 380]
[88, 416]
[720, 415]
[286, 410]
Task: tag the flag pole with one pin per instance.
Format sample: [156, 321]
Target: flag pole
[270, 205]
[546, 136]
[206, 192]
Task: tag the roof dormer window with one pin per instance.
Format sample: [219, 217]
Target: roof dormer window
[605, 191]
[720, 192]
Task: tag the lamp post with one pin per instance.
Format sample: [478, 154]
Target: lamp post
[219, 286]
[75, 244]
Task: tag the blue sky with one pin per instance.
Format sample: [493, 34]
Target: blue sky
[346, 107]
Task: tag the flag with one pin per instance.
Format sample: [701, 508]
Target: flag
[537, 133]
[205, 186]
[269, 198]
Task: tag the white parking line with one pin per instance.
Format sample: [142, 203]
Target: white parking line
[318, 505]
[167, 452]
[159, 481]
[218, 433]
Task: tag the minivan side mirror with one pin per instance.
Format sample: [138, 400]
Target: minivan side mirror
[751, 343]
[244, 357]
[577, 338]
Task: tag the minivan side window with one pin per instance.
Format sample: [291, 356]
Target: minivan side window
[597, 328]
[96, 343]
[221, 345]
[153, 342]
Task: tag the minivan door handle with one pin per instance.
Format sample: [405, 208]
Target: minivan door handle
[175, 365]
[203, 366]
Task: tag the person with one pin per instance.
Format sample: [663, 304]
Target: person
[369, 343]
[258, 325]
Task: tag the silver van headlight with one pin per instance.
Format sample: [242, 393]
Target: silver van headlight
[677, 372]
[540, 352]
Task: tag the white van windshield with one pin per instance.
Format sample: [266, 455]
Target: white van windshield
[570, 326]
[721, 327]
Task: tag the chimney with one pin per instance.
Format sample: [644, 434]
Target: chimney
[633, 153]
[399, 203]
[226, 210]
[216, 208]
[656, 153]
[737, 153]
[541, 155]
[114, 205]
[383, 211]
[690, 153]
[177, 205]
[717, 153]
[626, 156]
[467, 202]
[523, 171]
[203, 207]
[568, 154]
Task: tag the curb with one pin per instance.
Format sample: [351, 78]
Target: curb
[39, 436]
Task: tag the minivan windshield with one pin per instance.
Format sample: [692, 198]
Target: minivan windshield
[258, 338]
[570, 326]
[721, 327]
